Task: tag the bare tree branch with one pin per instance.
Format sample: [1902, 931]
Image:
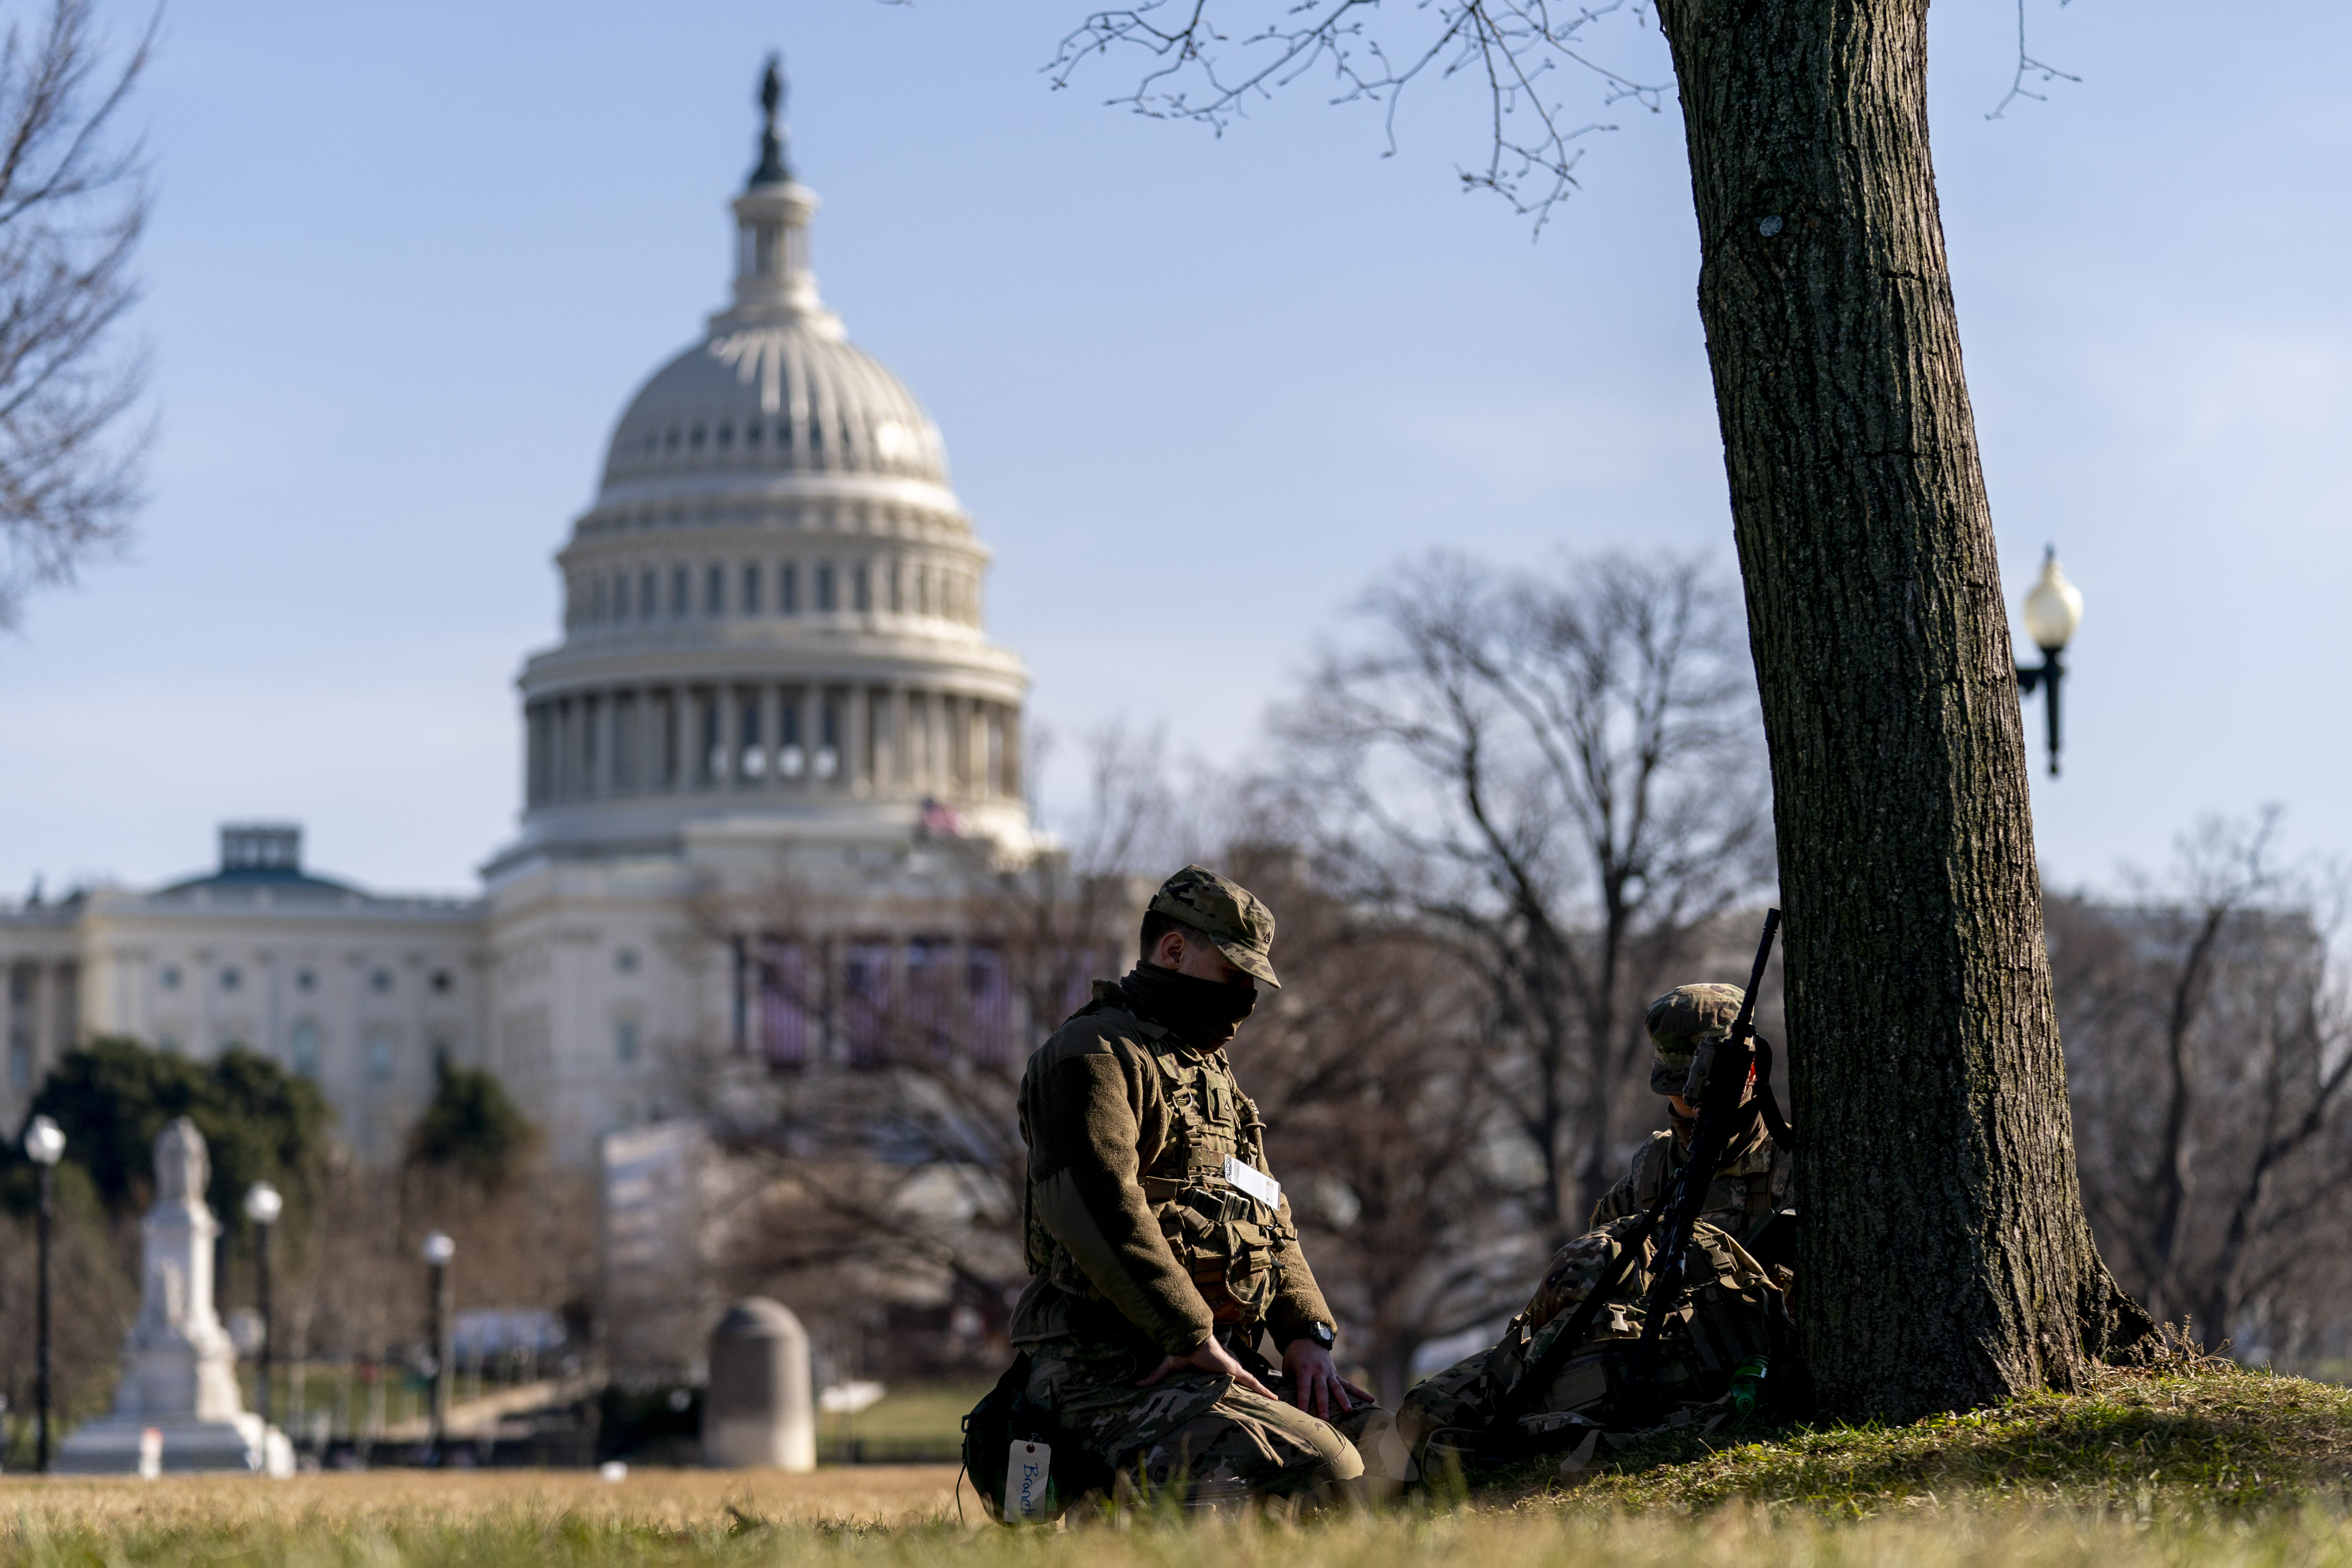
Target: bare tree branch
[73, 205]
[1205, 72]
[2028, 67]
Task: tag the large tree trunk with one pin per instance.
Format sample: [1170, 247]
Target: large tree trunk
[1947, 1258]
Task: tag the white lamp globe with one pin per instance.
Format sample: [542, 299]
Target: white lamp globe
[45, 1141]
[439, 1248]
[262, 1203]
[2053, 607]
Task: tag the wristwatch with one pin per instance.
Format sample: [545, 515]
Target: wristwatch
[1322, 1335]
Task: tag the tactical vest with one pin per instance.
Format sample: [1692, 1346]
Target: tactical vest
[1726, 1312]
[1745, 1189]
[1226, 1240]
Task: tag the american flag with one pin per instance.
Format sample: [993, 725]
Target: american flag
[941, 821]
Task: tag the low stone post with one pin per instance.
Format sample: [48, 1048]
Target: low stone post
[757, 1411]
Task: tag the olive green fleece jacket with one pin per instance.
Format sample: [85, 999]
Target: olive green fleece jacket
[1095, 1113]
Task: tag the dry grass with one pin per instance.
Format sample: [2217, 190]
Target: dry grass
[247, 1526]
[653, 1500]
[2223, 1468]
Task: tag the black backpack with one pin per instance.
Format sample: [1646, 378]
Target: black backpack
[1005, 1416]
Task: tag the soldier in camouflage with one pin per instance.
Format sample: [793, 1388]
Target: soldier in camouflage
[1160, 1248]
[1721, 1322]
[1753, 1187]
[1727, 1306]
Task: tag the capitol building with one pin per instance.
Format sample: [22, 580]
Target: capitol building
[773, 682]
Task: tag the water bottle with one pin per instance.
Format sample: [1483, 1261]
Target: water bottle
[1748, 1385]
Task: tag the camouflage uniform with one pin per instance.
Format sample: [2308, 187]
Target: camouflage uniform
[1748, 1189]
[1726, 1305]
[1755, 1180]
[1720, 1320]
[1140, 1243]
[1198, 1437]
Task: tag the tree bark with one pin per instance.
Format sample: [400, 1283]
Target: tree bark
[1943, 1224]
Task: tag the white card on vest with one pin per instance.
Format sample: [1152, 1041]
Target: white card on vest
[1253, 1182]
[1027, 1469]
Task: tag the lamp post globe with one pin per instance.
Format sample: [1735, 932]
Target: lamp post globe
[438, 1250]
[44, 1145]
[45, 1141]
[2053, 607]
[263, 1205]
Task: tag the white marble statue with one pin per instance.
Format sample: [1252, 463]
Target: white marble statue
[179, 1370]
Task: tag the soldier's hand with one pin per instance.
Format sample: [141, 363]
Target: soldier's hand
[1211, 1357]
[1315, 1384]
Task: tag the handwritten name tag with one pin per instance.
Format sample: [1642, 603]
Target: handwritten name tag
[1026, 1475]
[1253, 1182]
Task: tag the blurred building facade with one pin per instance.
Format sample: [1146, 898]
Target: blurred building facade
[772, 684]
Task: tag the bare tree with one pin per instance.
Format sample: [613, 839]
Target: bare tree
[2209, 1050]
[1558, 776]
[1916, 968]
[73, 204]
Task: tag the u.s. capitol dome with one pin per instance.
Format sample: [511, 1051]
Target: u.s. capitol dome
[769, 761]
[774, 608]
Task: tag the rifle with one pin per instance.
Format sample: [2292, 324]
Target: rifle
[1720, 1076]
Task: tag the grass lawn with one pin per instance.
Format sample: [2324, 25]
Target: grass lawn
[921, 1421]
[2211, 1442]
[2219, 1468]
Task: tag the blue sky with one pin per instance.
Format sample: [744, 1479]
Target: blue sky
[408, 263]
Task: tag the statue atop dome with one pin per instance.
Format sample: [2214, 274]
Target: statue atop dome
[773, 170]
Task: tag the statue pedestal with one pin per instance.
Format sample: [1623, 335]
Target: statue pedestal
[179, 1371]
[111, 1446]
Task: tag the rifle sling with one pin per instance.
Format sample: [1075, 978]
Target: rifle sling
[1768, 1104]
[1708, 1148]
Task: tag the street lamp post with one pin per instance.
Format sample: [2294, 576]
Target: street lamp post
[44, 1145]
[262, 1207]
[438, 1250]
[2054, 608]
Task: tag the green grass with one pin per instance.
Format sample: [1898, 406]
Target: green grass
[917, 1411]
[2189, 1466]
[2185, 1442]
[915, 1422]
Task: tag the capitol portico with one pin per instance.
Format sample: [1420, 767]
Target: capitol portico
[773, 667]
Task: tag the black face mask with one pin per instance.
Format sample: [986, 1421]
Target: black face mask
[1205, 1012]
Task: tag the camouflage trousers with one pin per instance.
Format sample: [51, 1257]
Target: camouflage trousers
[1718, 1321]
[1199, 1438]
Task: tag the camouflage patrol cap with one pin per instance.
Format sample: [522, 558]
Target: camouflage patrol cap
[1679, 1020]
[1227, 913]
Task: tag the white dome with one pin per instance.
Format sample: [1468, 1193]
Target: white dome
[773, 615]
[775, 397]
